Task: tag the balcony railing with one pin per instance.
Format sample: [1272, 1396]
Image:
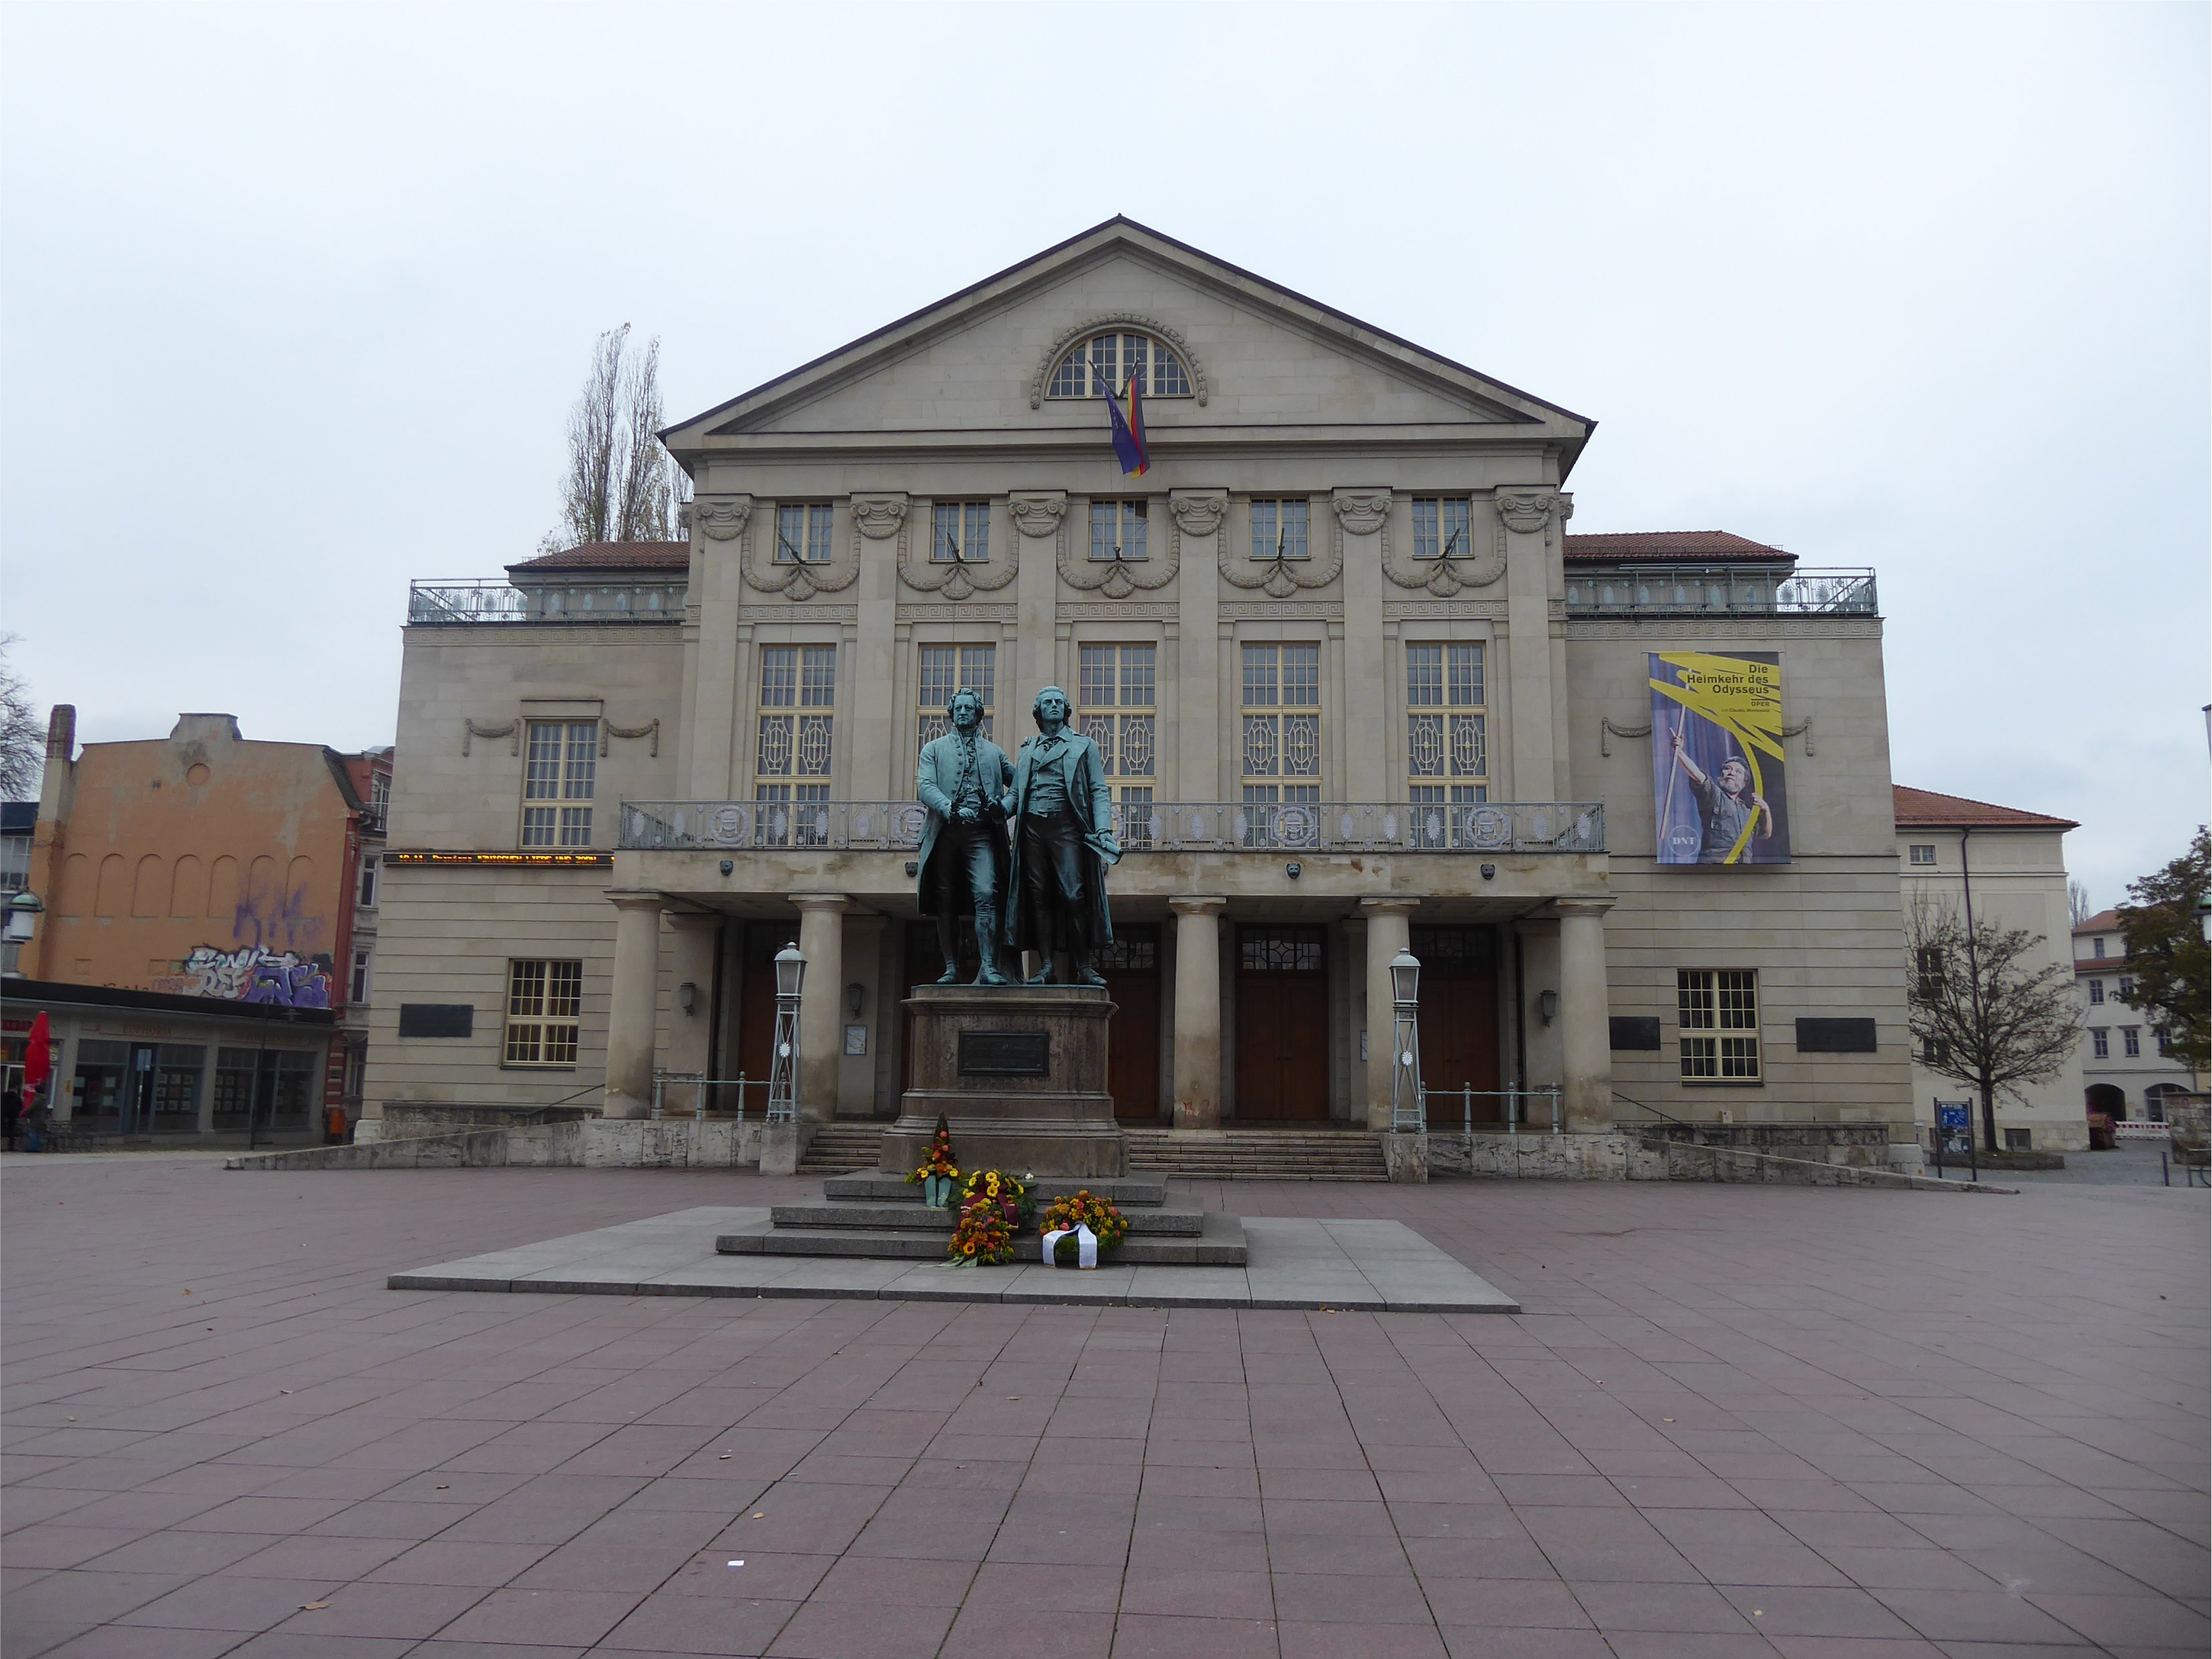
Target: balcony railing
[442, 603]
[1164, 827]
[1726, 590]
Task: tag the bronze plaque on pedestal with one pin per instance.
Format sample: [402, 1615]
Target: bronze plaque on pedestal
[1006, 1053]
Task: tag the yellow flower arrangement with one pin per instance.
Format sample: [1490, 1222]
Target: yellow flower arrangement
[1087, 1209]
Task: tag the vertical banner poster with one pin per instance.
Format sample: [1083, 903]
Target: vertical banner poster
[1717, 769]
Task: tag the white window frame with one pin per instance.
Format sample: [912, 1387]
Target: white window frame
[1120, 530]
[966, 523]
[2132, 1042]
[1282, 526]
[545, 1013]
[1270, 727]
[2100, 1043]
[364, 963]
[1443, 527]
[1083, 366]
[1717, 1012]
[1921, 853]
[805, 532]
[366, 899]
[574, 762]
[2096, 993]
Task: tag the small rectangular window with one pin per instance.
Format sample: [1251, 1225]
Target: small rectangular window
[1719, 1017]
[1928, 966]
[369, 881]
[2096, 993]
[960, 532]
[1118, 532]
[802, 533]
[545, 1006]
[1278, 529]
[1922, 852]
[2101, 1045]
[2096, 948]
[2019, 1140]
[560, 767]
[359, 985]
[379, 793]
[1442, 529]
[2131, 1041]
[2127, 987]
[2164, 1041]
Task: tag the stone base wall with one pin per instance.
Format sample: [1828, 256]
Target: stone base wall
[1619, 1156]
[587, 1143]
[1860, 1145]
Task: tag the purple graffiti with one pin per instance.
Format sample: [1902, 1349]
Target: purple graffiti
[288, 983]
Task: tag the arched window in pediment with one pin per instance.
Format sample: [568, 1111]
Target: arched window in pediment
[1112, 356]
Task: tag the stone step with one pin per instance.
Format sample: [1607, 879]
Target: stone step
[1181, 1218]
[1220, 1244]
[1121, 1190]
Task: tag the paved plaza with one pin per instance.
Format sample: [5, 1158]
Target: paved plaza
[1731, 1420]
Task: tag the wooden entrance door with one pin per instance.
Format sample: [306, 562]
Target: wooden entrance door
[1282, 1023]
[1458, 1018]
[1132, 967]
[755, 1033]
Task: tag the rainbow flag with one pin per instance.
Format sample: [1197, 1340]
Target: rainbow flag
[1129, 429]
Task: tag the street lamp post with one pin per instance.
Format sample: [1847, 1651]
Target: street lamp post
[1407, 1111]
[23, 913]
[783, 1068]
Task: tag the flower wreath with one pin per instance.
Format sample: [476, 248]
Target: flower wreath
[938, 1159]
[994, 1208]
[1086, 1209]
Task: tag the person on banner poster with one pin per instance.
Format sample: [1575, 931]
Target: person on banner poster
[1717, 773]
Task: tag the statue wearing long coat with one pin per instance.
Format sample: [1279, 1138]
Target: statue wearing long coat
[1086, 772]
[937, 776]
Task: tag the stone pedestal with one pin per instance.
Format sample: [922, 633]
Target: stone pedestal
[1018, 1071]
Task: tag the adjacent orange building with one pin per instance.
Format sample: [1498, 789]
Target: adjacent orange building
[218, 876]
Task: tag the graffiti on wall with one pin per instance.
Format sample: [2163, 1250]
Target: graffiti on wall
[252, 974]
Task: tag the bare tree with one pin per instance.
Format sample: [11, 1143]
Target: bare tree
[620, 485]
[22, 733]
[1980, 1010]
[2077, 903]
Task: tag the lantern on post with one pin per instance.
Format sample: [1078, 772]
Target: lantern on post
[1407, 1111]
[783, 1067]
[23, 913]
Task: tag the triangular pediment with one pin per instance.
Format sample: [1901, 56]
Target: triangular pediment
[1259, 357]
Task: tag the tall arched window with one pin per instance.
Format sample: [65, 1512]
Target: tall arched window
[1113, 357]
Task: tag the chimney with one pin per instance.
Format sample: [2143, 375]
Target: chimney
[61, 732]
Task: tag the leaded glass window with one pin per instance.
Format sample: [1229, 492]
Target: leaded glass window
[1446, 734]
[1282, 723]
[795, 743]
[1115, 709]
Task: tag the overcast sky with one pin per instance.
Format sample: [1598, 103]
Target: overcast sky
[294, 301]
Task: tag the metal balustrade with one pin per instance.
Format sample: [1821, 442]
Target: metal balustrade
[436, 603]
[1537, 1108]
[1727, 590]
[1491, 827]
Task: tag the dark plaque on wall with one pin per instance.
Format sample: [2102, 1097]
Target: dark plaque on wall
[1835, 1036]
[1006, 1053]
[1632, 1031]
[437, 1019]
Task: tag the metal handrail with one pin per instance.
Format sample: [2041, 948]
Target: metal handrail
[1653, 1110]
[1458, 827]
[441, 603]
[710, 1097]
[1637, 588]
[1514, 1115]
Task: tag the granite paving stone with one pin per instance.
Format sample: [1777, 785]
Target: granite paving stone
[1818, 1423]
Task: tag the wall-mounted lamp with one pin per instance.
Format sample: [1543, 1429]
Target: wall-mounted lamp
[23, 913]
[1547, 1006]
[687, 996]
[856, 998]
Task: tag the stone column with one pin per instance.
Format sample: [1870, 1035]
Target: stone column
[1387, 932]
[1197, 1073]
[1585, 1024]
[691, 960]
[822, 942]
[631, 1008]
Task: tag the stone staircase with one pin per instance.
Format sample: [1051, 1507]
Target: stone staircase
[837, 1147]
[1256, 1154]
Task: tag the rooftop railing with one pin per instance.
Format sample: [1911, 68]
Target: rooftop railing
[1164, 827]
[437, 603]
[1726, 590]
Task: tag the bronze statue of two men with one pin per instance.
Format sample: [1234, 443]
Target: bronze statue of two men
[1021, 846]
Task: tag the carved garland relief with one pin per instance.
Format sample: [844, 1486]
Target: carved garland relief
[1113, 578]
[1280, 578]
[952, 582]
[727, 518]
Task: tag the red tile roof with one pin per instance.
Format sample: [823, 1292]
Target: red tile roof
[1924, 809]
[2105, 921]
[1674, 545]
[613, 556]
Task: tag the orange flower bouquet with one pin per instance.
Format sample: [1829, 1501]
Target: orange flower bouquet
[936, 1172]
[1085, 1209]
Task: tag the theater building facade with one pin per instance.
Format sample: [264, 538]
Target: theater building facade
[1357, 686]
